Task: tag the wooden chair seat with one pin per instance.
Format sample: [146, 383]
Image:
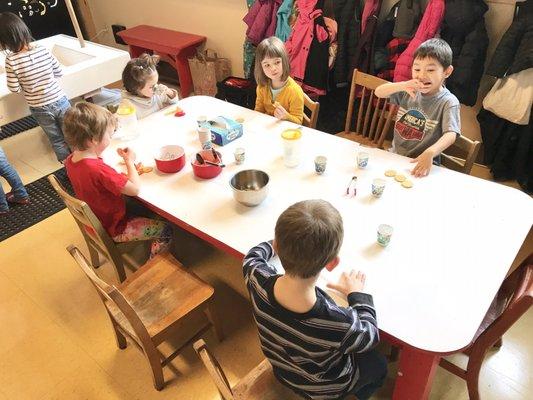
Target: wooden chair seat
[162, 293]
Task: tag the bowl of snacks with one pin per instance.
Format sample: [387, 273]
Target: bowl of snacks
[250, 186]
[170, 159]
[207, 164]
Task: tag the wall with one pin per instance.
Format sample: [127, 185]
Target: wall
[221, 22]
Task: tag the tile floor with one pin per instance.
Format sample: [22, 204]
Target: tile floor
[57, 343]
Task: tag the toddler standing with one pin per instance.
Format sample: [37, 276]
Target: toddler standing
[18, 192]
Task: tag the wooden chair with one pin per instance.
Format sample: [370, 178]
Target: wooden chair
[465, 147]
[97, 239]
[374, 115]
[258, 384]
[152, 305]
[314, 107]
[512, 300]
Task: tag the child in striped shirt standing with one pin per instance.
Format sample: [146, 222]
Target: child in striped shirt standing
[317, 348]
[33, 71]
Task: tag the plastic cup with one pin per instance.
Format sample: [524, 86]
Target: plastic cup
[239, 155]
[291, 147]
[204, 136]
[201, 120]
[378, 186]
[384, 234]
[320, 164]
[362, 159]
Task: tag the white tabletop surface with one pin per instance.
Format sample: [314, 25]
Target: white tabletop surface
[455, 236]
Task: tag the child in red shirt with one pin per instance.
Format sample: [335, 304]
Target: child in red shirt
[88, 129]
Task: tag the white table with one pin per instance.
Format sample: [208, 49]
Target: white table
[455, 236]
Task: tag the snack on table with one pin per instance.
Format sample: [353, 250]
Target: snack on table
[400, 178]
[407, 184]
[390, 173]
[141, 169]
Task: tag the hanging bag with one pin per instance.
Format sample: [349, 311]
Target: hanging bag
[203, 74]
[222, 65]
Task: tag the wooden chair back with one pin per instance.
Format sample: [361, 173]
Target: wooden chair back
[96, 237]
[467, 148]
[313, 107]
[259, 384]
[373, 116]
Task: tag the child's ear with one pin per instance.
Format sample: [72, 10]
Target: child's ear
[274, 246]
[448, 71]
[330, 266]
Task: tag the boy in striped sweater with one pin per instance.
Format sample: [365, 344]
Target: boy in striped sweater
[33, 71]
[317, 348]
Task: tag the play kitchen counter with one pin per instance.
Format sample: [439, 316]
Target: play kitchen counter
[450, 250]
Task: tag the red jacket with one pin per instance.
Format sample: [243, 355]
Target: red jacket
[428, 28]
[261, 20]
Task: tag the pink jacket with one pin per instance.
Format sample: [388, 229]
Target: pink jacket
[261, 20]
[301, 37]
[428, 28]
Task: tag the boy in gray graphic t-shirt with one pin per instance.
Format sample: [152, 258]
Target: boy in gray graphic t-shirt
[428, 119]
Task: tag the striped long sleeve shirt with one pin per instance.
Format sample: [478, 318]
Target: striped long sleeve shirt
[312, 353]
[34, 73]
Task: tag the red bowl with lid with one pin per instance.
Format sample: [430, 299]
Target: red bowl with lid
[207, 171]
[170, 159]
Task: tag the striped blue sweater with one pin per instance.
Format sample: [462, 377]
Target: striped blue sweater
[312, 353]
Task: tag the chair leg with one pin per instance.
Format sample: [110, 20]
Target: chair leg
[122, 343]
[472, 374]
[157, 370]
[213, 318]
[95, 257]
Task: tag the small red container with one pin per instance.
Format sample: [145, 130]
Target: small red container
[170, 159]
[206, 171]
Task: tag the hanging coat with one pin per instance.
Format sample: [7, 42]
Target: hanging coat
[303, 32]
[261, 20]
[283, 29]
[463, 28]
[362, 58]
[348, 16]
[428, 28]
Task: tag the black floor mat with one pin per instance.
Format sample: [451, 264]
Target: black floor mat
[44, 203]
[17, 126]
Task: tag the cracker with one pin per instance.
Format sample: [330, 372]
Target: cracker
[240, 120]
[407, 184]
[400, 178]
[390, 173]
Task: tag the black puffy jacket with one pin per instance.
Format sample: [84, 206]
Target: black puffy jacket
[515, 51]
[463, 28]
[348, 16]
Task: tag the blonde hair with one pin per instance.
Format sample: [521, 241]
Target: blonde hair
[84, 122]
[308, 235]
[271, 47]
[137, 71]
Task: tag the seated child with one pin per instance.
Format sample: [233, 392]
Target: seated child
[140, 79]
[34, 72]
[317, 348]
[277, 93]
[18, 194]
[428, 119]
[88, 130]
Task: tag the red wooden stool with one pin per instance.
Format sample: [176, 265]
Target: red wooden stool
[172, 46]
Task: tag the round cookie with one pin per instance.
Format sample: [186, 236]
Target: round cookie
[390, 173]
[407, 184]
[400, 178]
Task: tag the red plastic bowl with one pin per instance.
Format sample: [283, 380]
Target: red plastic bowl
[206, 171]
[170, 159]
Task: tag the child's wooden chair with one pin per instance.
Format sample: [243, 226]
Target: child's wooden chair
[465, 147]
[258, 384]
[374, 115]
[313, 107]
[152, 305]
[97, 239]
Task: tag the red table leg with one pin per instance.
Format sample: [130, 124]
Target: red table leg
[415, 374]
[136, 51]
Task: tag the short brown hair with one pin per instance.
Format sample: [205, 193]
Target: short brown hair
[137, 71]
[84, 122]
[270, 47]
[308, 236]
[14, 33]
[437, 49]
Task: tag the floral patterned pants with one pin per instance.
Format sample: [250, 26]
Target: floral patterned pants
[140, 228]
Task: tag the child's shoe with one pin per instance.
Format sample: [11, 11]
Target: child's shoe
[10, 197]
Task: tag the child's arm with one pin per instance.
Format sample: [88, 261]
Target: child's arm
[258, 256]
[294, 114]
[387, 89]
[133, 185]
[12, 80]
[56, 67]
[259, 100]
[424, 161]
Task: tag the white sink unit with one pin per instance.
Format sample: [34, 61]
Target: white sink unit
[84, 70]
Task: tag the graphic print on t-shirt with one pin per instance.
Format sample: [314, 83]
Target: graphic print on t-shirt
[413, 124]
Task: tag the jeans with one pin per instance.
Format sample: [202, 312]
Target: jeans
[10, 175]
[372, 373]
[50, 118]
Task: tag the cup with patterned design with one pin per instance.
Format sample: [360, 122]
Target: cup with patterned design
[378, 186]
[320, 164]
[384, 234]
[362, 159]
[239, 155]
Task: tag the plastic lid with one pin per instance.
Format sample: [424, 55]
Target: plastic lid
[291, 134]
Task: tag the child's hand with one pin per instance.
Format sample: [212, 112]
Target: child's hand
[279, 111]
[166, 90]
[412, 87]
[127, 154]
[424, 162]
[349, 282]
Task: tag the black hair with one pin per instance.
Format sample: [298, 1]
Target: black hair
[437, 49]
[14, 34]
